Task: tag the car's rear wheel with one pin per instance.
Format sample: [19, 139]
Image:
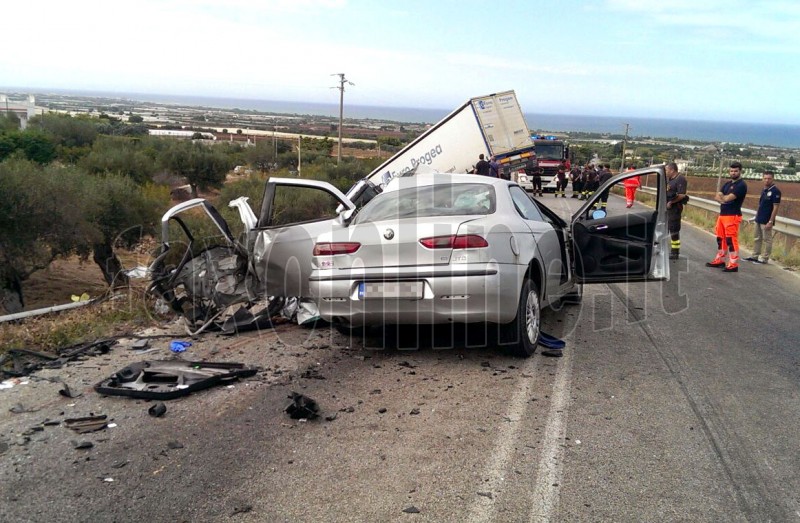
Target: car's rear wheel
[526, 326]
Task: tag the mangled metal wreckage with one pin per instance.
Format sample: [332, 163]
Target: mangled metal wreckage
[227, 282]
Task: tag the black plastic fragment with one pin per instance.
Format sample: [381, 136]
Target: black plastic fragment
[165, 380]
[302, 407]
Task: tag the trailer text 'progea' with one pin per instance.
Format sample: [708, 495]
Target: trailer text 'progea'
[425, 159]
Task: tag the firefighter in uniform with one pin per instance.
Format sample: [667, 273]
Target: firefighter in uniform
[561, 182]
[590, 182]
[730, 200]
[676, 198]
[604, 176]
[577, 181]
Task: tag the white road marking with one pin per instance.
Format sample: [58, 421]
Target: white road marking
[545, 494]
[482, 508]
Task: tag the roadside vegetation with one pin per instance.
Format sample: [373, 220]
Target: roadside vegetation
[87, 186]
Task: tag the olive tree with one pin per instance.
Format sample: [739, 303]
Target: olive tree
[203, 166]
[51, 211]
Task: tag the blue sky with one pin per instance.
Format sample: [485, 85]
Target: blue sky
[726, 60]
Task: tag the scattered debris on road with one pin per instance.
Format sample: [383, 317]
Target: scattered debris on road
[165, 380]
[179, 346]
[87, 424]
[302, 407]
[157, 410]
[24, 362]
[68, 392]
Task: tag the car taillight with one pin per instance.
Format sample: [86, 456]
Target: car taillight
[331, 249]
[453, 241]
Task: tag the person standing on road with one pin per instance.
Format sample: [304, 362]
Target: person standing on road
[730, 200]
[577, 181]
[605, 175]
[631, 184]
[765, 219]
[676, 198]
[590, 181]
[561, 182]
[482, 167]
[494, 167]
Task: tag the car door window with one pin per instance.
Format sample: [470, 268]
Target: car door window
[302, 204]
[524, 205]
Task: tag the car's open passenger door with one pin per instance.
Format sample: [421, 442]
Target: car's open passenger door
[617, 242]
[294, 212]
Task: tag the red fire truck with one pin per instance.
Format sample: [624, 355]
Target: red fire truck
[552, 154]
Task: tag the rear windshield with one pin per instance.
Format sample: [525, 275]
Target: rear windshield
[431, 200]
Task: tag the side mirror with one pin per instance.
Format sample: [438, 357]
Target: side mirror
[598, 214]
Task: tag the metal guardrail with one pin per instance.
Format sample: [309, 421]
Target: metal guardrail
[786, 226]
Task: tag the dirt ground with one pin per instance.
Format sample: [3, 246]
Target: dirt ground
[56, 284]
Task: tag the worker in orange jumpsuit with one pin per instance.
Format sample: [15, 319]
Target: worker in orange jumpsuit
[730, 200]
[631, 184]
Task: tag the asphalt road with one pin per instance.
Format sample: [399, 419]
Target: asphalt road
[672, 402]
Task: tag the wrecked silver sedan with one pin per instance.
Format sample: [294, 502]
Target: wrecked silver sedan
[428, 249]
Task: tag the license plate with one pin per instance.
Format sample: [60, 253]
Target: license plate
[409, 290]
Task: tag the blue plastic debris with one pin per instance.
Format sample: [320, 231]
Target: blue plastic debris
[551, 342]
[179, 346]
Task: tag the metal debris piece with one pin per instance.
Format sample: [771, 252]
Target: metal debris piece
[302, 407]
[87, 424]
[411, 510]
[165, 380]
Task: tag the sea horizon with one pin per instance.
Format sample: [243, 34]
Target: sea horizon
[760, 134]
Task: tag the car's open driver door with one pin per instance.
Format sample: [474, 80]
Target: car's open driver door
[621, 243]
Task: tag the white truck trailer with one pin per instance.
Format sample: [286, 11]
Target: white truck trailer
[491, 125]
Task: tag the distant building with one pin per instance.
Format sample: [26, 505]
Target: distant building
[180, 134]
[683, 165]
[24, 109]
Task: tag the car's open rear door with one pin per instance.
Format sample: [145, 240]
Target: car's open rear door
[294, 212]
[620, 243]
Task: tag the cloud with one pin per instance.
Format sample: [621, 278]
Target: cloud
[774, 26]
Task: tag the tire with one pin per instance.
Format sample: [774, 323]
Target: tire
[526, 326]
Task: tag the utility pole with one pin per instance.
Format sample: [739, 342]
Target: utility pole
[299, 143]
[624, 145]
[342, 81]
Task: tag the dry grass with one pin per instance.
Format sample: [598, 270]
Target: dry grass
[122, 313]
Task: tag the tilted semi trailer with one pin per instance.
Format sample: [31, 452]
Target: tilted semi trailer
[492, 125]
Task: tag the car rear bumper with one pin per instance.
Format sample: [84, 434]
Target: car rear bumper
[449, 294]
